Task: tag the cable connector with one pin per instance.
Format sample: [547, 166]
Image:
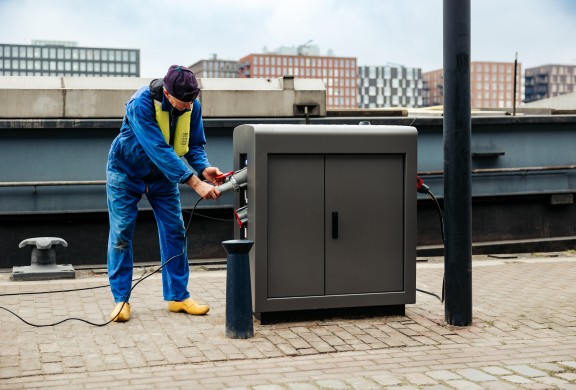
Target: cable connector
[421, 187]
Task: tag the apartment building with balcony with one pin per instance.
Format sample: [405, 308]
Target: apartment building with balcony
[547, 81]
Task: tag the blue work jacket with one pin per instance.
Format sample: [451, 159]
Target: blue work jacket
[141, 151]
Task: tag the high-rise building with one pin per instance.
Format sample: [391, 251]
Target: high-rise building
[389, 86]
[548, 81]
[215, 68]
[55, 58]
[338, 73]
[491, 85]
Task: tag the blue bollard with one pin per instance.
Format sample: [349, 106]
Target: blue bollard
[239, 324]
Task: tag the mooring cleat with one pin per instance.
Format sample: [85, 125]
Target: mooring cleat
[188, 306]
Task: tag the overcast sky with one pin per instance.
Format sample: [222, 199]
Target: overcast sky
[376, 32]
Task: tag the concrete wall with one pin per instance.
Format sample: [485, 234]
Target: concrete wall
[29, 97]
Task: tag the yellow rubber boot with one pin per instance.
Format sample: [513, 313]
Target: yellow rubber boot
[189, 306]
[120, 313]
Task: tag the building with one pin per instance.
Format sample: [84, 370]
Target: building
[215, 68]
[338, 73]
[51, 58]
[548, 81]
[389, 86]
[491, 85]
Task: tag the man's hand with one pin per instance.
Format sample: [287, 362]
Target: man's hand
[205, 190]
[210, 174]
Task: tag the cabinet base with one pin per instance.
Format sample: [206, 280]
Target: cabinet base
[267, 318]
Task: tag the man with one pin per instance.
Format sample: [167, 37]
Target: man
[163, 122]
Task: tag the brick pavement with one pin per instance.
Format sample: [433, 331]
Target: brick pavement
[523, 336]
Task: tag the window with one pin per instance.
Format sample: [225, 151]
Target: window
[372, 72]
[387, 73]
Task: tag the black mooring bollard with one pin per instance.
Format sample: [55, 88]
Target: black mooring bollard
[239, 323]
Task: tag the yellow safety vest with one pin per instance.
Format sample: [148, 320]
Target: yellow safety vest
[182, 133]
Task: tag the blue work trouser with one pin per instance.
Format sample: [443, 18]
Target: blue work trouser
[123, 197]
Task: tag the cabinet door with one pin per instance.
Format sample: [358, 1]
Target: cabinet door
[295, 225]
[364, 222]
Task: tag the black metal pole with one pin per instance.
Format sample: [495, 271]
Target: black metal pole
[239, 324]
[515, 76]
[457, 179]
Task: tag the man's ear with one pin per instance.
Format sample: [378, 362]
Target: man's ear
[165, 92]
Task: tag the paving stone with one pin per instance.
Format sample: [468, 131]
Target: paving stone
[476, 375]
[526, 371]
[419, 379]
[302, 386]
[361, 383]
[550, 367]
[569, 376]
[386, 380]
[498, 385]
[517, 379]
[571, 364]
[464, 385]
[332, 384]
[443, 375]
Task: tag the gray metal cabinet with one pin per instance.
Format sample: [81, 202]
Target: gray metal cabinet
[331, 211]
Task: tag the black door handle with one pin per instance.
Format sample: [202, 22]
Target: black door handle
[334, 224]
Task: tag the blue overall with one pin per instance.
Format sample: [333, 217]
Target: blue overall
[141, 162]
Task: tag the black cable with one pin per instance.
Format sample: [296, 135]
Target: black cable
[443, 238]
[428, 192]
[430, 293]
[142, 278]
[213, 218]
[63, 291]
